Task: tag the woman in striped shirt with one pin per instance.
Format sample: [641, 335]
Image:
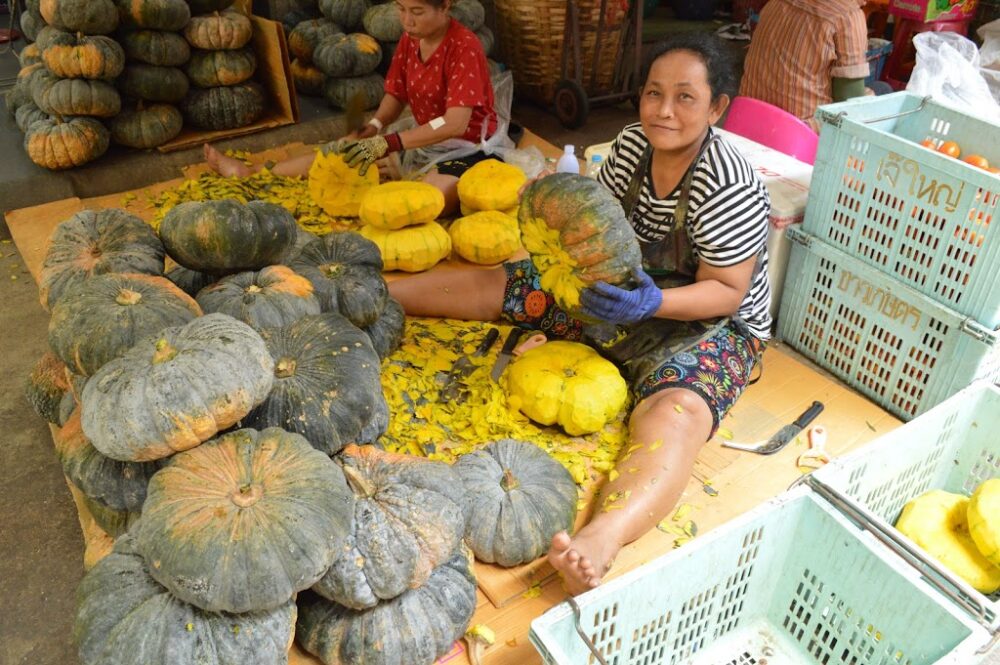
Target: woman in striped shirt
[701, 215]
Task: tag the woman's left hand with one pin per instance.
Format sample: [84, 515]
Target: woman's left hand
[609, 303]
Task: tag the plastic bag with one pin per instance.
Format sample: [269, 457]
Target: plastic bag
[989, 56]
[947, 69]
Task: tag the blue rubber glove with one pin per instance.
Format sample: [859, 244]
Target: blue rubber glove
[615, 305]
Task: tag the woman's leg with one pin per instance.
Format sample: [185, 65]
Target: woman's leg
[473, 294]
[230, 166]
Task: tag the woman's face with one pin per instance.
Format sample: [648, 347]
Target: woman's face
[421, 19]
[675, 106]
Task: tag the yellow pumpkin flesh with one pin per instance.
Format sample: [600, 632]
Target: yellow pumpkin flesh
[395, 205]
[486, 237]
[337, 188]
[412, 249]
[490, 185]
[984, 519]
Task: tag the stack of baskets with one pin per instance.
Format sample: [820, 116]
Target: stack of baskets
[896, 287]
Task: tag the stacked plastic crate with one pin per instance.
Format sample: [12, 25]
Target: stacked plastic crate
[896, 268]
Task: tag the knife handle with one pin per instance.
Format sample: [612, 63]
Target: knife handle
[491, 336]
[809, 415]
[513, 337]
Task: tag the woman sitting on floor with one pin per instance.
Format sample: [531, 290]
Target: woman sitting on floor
[440, 70]
[688, 194]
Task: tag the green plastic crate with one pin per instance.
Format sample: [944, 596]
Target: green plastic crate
[899, 347]
[792, 581]
[953, 447]
[925, 218]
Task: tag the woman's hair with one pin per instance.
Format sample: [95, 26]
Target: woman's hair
[713, 52]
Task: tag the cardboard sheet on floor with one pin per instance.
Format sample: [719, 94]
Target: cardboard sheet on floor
[510, 598]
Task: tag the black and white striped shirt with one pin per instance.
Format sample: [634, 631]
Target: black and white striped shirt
[728, 210]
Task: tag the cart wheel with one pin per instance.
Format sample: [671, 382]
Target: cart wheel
[571, 104]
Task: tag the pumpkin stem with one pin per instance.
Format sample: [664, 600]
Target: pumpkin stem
[330, 269]
[359, 484]
[164, 352]
[127, 297]
[247, 495]
[253, 288]
[284, 368]
[509, 482]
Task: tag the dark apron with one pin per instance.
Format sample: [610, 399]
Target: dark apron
[641, 348]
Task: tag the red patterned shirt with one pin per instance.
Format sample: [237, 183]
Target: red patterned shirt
[455, 75]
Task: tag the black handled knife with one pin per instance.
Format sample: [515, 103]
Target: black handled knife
[463, 366]
[783, 436]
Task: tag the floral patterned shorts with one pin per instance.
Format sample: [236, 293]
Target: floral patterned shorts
[718, 369]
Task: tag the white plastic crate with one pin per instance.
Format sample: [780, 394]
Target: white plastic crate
[792, 581]
[927, 219]
[899, 347]
[953, 447]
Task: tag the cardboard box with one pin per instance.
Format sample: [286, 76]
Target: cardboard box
[281, 106]
[933, 10]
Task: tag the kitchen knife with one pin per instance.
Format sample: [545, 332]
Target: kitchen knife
[463, 367]
[783, 436]
[506, 353]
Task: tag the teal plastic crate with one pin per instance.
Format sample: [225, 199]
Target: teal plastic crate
[899, 347]
[953, 447]
[792, 581]
[927, 219]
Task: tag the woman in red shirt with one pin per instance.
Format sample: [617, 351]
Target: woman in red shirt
[440, 70]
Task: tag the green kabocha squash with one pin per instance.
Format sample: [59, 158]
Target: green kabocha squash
[347, 13]
[125, 616]
[21, 92]
[91, 17]
[346, 273]
[116, 485]
[469, 13]
[222, 30]
[308, 78]
[208, 6]
[67, 405]
[243, 522]
[307, 35]
[46, 386]
[355, 54]
[79, 56]
[72, 97]
[302, 238]
[113, 522]
[386, 333]
[153, 84]
[32, 5]
[31, 24]
[101, 319]
[146, 125]
[383, 23]
[206, 69]
[28, 114]
[47, 36]
[517, 498]
[577, 235]
[408, 519]
[227, 236]
[173, 391]
[273, 297]
[339, 91]
[412, 629]
[29, 55]
[378, 424]
[486, 38]
[224, 107]
[154, 47]
[190, 281]
[326, 381]
[166, 15]
[94, 242]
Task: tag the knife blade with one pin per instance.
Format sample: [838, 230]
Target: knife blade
[781, 438]
[463, 367]
[506, 353]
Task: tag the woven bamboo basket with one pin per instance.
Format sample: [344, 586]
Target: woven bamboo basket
[531, 35]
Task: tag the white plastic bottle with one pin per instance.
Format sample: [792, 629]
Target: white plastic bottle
[568, 162]
[595, 166]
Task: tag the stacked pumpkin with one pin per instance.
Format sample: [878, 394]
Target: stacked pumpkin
[487, 233]
[382, 22]
[31, 20]
[348, 61]
[302, 43]
[222, 62]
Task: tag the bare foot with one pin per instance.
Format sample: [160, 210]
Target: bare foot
[582, 560]
[225, 165]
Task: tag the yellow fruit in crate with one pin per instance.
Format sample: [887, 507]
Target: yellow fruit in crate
[412, 249]
[566, 384]
[984, 519]
[490, 185]
[336, 187]
[486, 237]
[395, 205]
[937, 522]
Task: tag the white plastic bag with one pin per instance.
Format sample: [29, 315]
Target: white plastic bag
[947, 69]
[989, 56]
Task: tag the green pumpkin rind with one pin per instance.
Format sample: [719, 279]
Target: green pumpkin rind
[347, 13]
[408, 519]
[377, 426]
[351, 55]
[308, 78]
[383, 23]
[46, 385]
[153, 84]
[31, 24]
[208, 69]
[327, 384]
[227, 236]
[71, 97]
[417, 627]
[103, 318]
[190, 281]
[245, 521]
[113, 522]
[154, 47]
[302, 238]
[517, 498]
[174, 391]
[80, 56]
[58, 144]
[29, 55]
[125, 616]
[307, 35]
[28, 114]
[469, 13]
[339, 91]
[207, 6]
[273, 297]
[346, 273]
[386, 333]
[94, 242]
[48, 36]
[222, 30]
[166, 15]
[224, 107]
[146, 126]
[91, 17]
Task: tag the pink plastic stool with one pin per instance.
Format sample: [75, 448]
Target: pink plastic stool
[772, 126]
